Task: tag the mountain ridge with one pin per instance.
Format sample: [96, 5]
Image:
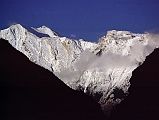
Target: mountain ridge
[101, 67]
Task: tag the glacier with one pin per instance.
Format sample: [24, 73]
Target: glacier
[100, 69]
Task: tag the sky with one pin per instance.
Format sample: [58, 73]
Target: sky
[86, 19]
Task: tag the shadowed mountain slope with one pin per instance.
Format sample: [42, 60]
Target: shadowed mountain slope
[30, 92]
[143, 101]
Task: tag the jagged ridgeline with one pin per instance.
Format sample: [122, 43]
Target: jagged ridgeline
[101, 70]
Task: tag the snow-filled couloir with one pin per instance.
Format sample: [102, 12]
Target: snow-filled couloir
[98, 69]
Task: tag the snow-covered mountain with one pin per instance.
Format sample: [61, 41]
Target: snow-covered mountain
[102, 69]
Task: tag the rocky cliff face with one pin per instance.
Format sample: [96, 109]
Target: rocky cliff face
[102, 69]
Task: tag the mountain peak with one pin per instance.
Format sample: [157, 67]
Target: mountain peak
[45, 30]
[94, 68]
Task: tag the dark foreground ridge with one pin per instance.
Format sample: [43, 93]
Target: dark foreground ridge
[143, 101]
[30, 92]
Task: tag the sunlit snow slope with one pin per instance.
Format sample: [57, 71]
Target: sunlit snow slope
[102, 69]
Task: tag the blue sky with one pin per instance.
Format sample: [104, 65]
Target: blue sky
[87, 19]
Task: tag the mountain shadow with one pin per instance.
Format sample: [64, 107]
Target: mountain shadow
[30, 92]
[143, 101]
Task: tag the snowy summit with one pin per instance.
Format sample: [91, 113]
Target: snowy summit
[98, 69]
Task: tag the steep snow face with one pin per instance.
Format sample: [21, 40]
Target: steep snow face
[99, 69]
[45, 30]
